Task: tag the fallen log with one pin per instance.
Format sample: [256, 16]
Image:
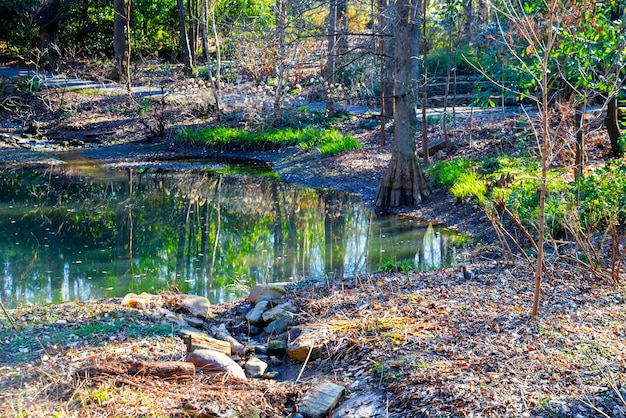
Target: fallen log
[169, 370]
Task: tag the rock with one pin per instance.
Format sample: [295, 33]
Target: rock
[252, 330]
[310, 339]
[366, 405]
[270, 375]
[197, 340]
[320, 400]
[278, 326]
[255, 367]
[276, 347]
[141, 301]
[268, 293]
[284, 309]
[195, 305]
[255, 316]
[194, 321]
[213, 361]
[260, 349]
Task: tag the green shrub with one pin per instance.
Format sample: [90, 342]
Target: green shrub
[603, 196]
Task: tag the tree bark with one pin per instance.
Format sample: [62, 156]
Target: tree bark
[388, 59]
[611, 122]
[170, 370]
[404, 183]
[184, 37]
[468, 11]
[119, 39]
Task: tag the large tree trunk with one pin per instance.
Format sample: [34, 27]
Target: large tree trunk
[119, 39]
[184, 37]
[468, 11]
[404, 183]
[387, 11]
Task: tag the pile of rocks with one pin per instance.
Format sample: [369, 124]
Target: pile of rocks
[271, 341]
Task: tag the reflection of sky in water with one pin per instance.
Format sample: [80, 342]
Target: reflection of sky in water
[68, 238]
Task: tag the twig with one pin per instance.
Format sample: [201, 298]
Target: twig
[13, 324]
[308, 356]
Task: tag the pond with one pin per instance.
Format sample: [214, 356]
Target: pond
[83, 231]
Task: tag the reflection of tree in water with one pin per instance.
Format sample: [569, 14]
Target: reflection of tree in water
[142, 230]
[334, 233]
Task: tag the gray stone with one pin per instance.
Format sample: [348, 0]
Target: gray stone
[284, 309]
[279, 326]
[255, 316]
[195, 305]
[215, 362]
[255, 367]
[194, 321]
[260, 349]
[366, 405]
[320, 400]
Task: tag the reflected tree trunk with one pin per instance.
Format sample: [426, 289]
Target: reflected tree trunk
[292, 237]
[278, 234]
[334, 234]
[218, 226]
[182, 235]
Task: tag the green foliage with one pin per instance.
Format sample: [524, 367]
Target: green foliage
[329, 142]
[503, 180]
[28, 85]
[603, 196]
[446, 173]
[469, 185]
[396, 266]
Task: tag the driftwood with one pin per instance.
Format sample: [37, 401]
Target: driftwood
[170, 370]
[196, 340]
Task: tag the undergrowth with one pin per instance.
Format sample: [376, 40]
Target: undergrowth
[328, 142]
[590, 214]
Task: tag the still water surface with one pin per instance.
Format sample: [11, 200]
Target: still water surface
[80, 232]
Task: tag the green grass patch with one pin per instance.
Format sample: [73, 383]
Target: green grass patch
[329, 142]
[396, 266]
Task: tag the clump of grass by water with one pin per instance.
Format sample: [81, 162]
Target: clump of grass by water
[396, 266]
[328, 142]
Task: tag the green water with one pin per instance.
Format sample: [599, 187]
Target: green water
[80, 232]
